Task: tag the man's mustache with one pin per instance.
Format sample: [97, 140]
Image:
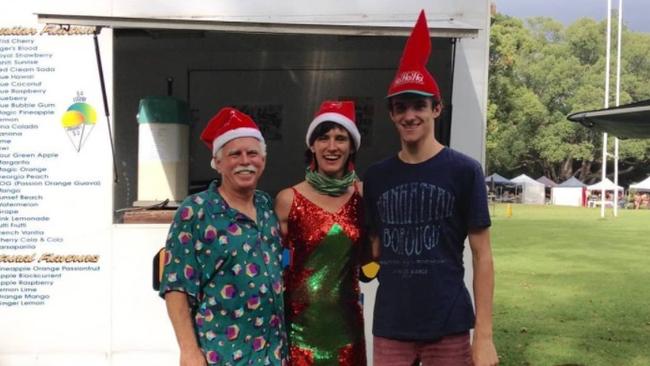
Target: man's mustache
[245, 168]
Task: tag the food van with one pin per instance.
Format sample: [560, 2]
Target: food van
[101, 105]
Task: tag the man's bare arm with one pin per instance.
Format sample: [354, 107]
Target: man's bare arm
[178, 310]
[483, 349]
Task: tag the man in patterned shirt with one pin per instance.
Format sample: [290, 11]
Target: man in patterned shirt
[222, 280]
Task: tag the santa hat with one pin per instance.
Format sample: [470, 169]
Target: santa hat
[412, 75]
[228, 124]
[339, 112]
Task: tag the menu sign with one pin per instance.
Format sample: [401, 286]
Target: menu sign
[54, 170]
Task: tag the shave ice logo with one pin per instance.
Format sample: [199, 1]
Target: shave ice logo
[79, 120]
[409, 77]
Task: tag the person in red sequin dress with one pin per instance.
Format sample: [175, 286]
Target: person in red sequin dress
[321, 220]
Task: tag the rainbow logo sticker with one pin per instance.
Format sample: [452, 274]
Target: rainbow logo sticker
[78, 121]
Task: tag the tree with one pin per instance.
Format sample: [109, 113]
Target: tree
[540, 72]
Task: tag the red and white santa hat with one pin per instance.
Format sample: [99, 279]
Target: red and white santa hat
[228, 124]
[412, 75]
[339, 112]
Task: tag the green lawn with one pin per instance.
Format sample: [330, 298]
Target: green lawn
[571, 288]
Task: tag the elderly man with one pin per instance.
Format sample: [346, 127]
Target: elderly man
[222, 280]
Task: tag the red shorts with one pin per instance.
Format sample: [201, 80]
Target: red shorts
[453, 350]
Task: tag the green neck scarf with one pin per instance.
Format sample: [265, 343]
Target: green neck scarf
[330, 186]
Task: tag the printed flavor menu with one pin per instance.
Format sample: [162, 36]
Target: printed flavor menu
[31, 242]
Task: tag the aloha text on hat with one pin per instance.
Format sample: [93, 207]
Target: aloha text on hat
[412, 74]
[339, 112]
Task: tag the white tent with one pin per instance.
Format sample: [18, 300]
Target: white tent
[641, 186]
[570, 193]
[606, 185]
[532, 190]
[567, 196]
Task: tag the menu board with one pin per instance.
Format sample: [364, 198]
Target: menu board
[55, 172]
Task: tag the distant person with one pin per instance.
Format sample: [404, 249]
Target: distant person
[637, 200]
[621, 199]
[321, 217]
[422, 204]
[222, 280]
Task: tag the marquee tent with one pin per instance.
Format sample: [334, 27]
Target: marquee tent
[571, 192]
[532, 190]
[498, 180]
[606, 185]
[503, 188]
[548, 186]
[644, 185]
[546, 181]
[571, 183]
[596, 189]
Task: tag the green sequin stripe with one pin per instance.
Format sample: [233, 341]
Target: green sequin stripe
[328, 326]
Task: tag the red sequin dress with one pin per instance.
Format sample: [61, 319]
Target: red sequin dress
[324, 315]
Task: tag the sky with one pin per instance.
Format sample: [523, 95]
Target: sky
[636, 13]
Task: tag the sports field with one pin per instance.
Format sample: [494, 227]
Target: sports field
[571, 288]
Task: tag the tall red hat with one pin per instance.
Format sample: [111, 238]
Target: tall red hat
[339, 112]
[229, 124]
[412, 75]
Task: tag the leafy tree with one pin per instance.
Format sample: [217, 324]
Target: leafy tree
[540, 72]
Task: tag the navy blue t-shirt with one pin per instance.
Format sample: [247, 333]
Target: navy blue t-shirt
[422, 213]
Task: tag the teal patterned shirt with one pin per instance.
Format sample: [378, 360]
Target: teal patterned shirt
[230, 268]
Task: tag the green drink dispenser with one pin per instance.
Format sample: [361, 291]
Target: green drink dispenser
[163, 151]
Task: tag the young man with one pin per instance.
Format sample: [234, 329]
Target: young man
[222, 280]
[421, 206]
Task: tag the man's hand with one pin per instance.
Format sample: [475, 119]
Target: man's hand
[483, 351]
[193, 357]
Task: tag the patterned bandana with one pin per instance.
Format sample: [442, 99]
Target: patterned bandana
[330, 186]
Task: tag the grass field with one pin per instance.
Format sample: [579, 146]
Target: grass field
[571, 288]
